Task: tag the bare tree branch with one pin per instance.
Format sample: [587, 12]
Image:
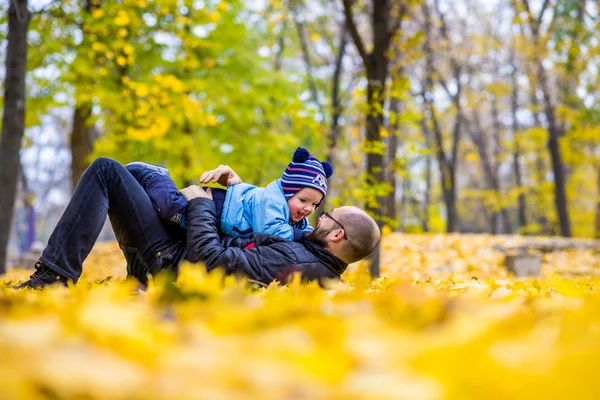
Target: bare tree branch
[307, 62]
[542, 11]
[444, 26]
[336, 104]
[281, 46]
[60, 13]
[398, 22]
[443, 83]
[44, 8]
[324, 33]
[356, 36]
[528, 12]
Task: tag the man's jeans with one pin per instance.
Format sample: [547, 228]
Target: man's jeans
[106, 187]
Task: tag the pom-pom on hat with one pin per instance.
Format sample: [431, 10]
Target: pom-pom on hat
[305, 171]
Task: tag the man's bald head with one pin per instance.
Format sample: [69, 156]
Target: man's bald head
[362, 233]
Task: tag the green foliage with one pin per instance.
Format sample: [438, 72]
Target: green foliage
[215, 102]
[178, 83]
[193, 84]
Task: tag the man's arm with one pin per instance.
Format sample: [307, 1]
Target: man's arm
[204, 244]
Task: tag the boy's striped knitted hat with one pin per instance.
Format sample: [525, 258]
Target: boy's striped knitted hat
[305, 171]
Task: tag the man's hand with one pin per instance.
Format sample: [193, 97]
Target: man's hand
[223, 175]
[194, 191]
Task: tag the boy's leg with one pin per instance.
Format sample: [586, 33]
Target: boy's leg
[141, 171]
[107, 188]
[168, 202]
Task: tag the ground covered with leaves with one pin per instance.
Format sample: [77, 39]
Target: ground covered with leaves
[444, 321]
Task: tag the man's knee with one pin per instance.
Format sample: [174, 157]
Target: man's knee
[102, 162]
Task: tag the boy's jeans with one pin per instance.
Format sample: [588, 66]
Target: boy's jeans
[106, 187]
[168, 202]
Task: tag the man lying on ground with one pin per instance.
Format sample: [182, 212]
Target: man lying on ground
[345, 235]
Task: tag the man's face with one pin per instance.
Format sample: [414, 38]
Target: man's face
[324, 227]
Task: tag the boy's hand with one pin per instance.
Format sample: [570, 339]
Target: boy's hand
[223, 175]
[194, 191]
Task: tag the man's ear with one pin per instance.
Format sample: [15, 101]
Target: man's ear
[337, 235]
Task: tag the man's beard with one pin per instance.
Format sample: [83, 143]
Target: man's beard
[318, 236]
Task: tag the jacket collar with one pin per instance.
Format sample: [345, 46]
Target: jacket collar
[333, 263]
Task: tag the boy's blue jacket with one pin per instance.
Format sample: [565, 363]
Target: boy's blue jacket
[250, 209]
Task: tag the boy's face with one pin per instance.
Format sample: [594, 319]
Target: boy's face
[303, 203]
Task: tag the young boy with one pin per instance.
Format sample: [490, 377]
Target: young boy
[279, 209]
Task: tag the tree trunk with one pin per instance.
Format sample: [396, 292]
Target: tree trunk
[451, 198]
[452, 162]
[13, 119]
[377, 75]
[375, 166]
[428, 176]
[336, 108]
[307, 63]
[597, 231]
[540, 167]
[280, 46]
[507, 225]
[491, 182]
[560, 193]
[390, 209]
[447, 168]
[572, 74]
[188, 158]
[427, 201]
[554, 129]
[83, 135]
[514, 106]
[336, 104]
[376, 64]
[447, 181]
[82, 142]
[497, 217]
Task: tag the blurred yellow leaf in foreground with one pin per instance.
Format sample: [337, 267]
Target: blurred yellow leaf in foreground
[445, 320]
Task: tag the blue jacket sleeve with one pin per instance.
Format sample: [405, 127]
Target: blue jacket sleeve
[271, 217]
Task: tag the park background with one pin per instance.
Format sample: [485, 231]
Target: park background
[464, 127]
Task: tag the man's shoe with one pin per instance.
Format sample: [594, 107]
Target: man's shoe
[43, 276]
[140, 170]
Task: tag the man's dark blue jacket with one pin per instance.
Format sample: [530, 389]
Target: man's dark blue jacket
[262, 257]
